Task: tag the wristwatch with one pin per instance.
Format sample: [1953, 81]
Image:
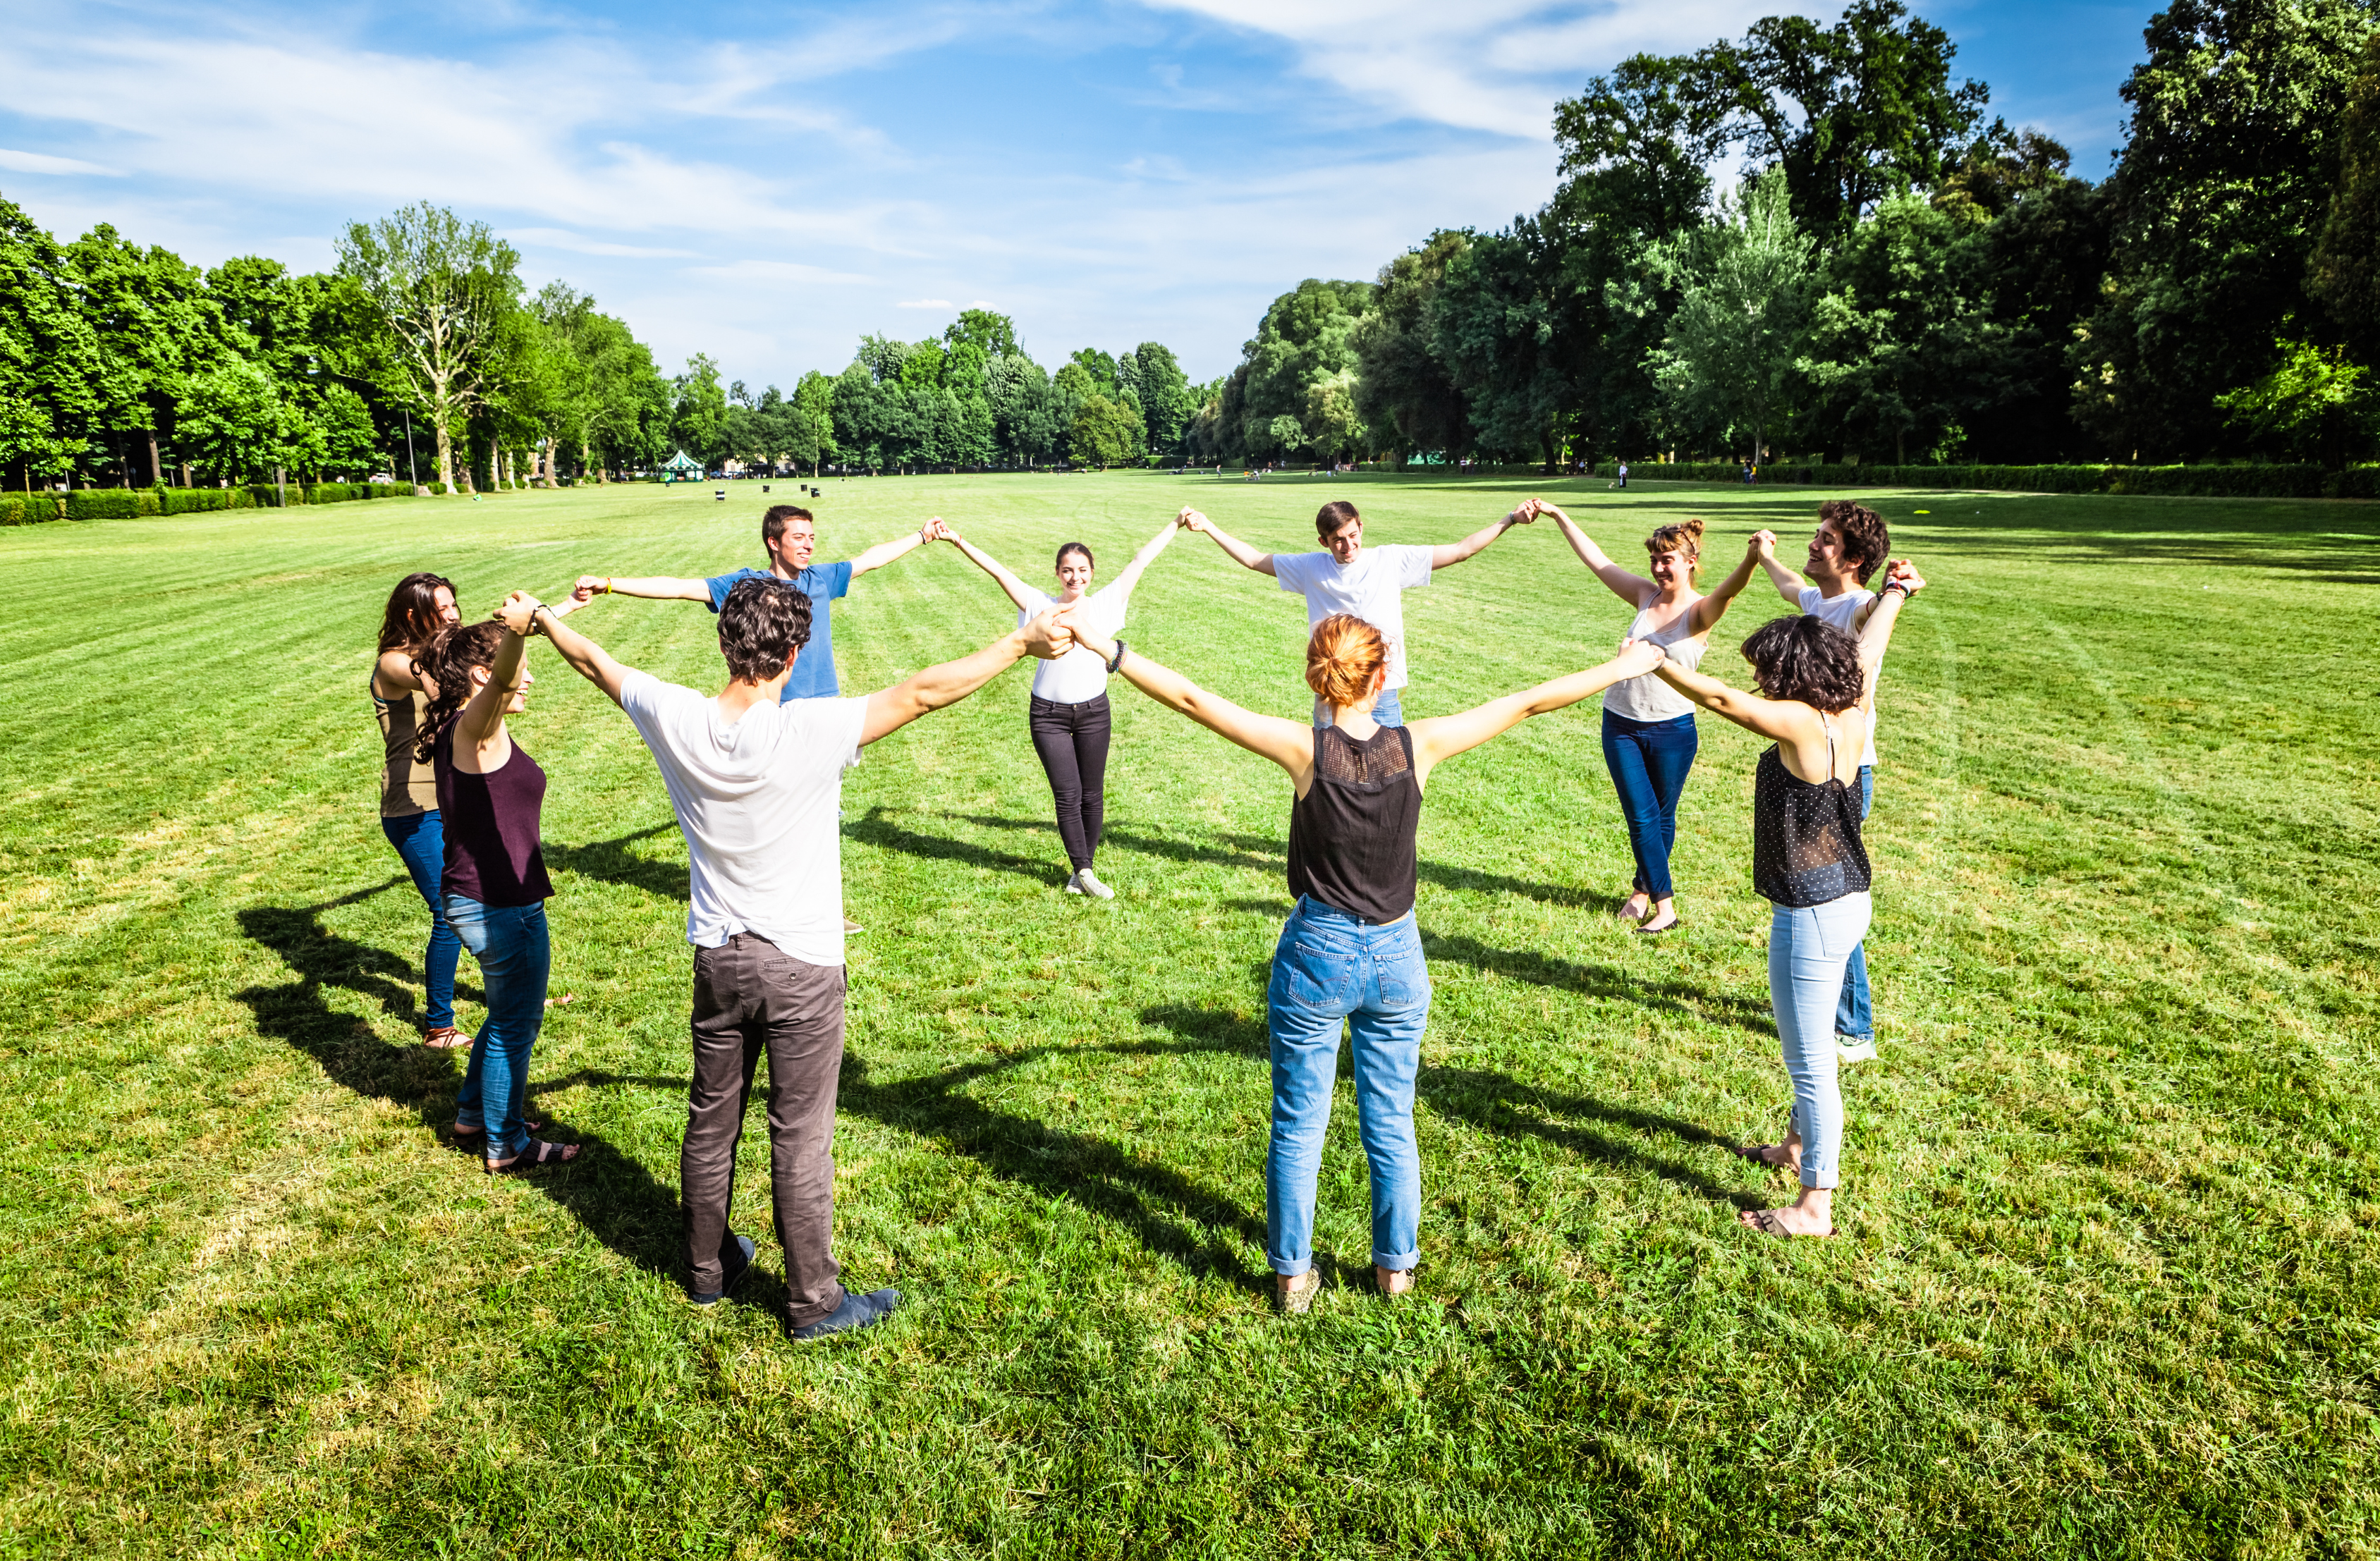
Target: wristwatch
[1119, 657]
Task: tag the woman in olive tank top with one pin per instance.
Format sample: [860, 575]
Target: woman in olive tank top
[1810, 864]
[421, 606]
[1350, 952]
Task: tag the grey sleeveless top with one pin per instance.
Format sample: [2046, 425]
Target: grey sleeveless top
[1648, 697]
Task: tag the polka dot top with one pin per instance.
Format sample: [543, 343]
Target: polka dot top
[1806, 840]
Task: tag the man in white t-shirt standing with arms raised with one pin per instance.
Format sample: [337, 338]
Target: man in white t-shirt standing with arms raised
[1852, 539]
[756, 782]
[1368, 583]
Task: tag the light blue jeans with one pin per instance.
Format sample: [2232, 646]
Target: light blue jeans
[420, 843]
[516, 956]
[1388, 709]
[1808, 946]
[1852, 1020]
[1330, 967]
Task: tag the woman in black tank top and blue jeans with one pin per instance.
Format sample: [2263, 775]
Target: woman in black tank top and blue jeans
[491, 797]
[1350, 952]
[1810, 864]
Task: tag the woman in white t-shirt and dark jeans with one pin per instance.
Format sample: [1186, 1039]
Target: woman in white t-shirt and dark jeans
[1069, 719]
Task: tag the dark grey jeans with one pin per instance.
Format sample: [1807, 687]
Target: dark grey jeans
[748, 995]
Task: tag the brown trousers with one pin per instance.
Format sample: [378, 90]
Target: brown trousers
[747, 996]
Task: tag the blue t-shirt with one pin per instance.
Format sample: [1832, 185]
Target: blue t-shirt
[814, 668]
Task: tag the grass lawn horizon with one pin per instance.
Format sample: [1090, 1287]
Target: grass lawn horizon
[2104, 1282]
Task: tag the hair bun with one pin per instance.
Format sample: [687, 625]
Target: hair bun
[1342, 657]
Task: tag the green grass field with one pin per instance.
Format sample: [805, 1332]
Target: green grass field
[2107, 1285]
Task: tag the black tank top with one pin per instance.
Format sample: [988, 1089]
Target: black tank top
[1806, 840]
[1351, 837]
[492, 851]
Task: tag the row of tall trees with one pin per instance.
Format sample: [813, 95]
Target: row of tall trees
[1889, 277]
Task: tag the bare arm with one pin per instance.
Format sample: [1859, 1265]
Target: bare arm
[1148, 554]
[524, 613]
[1788, 584]
[1629, 588]
[395, 672]
[884, 553]
[1442, 737]
[1450, 553]
[653, 587]
[1784, 719]
[1260, 562]
[1018, 591]
[1876, 633]
[890, 709]
[1713, 607]
[1288, 743]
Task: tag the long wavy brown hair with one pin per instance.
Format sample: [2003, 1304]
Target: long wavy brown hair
[447, 662]
[411, 620]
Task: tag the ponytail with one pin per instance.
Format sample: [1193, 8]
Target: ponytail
[447, 662]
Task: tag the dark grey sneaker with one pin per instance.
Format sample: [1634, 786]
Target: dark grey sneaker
[857, 1312]
[732, 1275]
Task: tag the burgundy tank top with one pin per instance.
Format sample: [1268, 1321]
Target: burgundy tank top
[493, 854]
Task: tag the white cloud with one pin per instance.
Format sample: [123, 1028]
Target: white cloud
[779, 271]
[925, 303]
[39, 162]
[579, 244]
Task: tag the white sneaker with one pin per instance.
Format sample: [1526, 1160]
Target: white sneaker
[1848, 1050]
[1091, 884]
[1074, 884]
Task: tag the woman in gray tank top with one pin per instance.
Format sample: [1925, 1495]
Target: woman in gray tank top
[1648, 727]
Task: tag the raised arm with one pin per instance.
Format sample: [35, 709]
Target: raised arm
[1289, 744]
[1901, 582]
[884, 553]
[890, 709]
[1713, 607]
[524, 614]
[1148, 551]
[654, 587]
[1442, 737]
[1788, 584]
[484, 711]
[1260, 562]
[1629, 588]
[1018, 591]
[1449, 554]
[1784, 719]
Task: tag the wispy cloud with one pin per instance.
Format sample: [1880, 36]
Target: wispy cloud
[925, 303]
[579, 244]
[36, 162]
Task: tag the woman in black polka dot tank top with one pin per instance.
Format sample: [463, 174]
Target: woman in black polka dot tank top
[1807, 859]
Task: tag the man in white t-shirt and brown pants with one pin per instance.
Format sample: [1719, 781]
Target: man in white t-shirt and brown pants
[756, 784]
[1368, 583]
[1851, 541]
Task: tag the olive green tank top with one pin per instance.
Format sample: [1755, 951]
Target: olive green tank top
[406, 784]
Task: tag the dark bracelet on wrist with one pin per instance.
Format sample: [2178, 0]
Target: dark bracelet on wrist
[1119, 657]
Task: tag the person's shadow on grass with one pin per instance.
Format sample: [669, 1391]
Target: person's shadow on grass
[608, 1191]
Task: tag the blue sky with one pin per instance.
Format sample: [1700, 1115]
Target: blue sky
[765, 183]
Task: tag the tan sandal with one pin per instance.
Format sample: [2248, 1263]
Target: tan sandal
[1297, 1300]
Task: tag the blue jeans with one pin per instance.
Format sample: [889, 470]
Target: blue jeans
[1330, 967]
[1807, 948]
[1649, 761]
[420, 842]
[1388, 709]
[515, 957]
[1852, 1021]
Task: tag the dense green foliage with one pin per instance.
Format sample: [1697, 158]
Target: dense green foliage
[1941, 289]
[2107, 1282]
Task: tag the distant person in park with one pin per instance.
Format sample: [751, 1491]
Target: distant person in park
[1068, 718]
[755, 781]
[491, 797]
[1809, 862]
[1624, 474]
[1649, 739]
[422, 605]
[1350, 952]
[1851, 541]
[1366, 583]
[790, 534]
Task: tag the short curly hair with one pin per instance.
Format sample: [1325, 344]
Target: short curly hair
[1867, 542]
[760, 624]
[1797, 657]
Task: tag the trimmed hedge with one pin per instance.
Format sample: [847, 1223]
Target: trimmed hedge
[131, 503]
[2257, 481]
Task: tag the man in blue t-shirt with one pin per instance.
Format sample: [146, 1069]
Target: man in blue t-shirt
[790, 534]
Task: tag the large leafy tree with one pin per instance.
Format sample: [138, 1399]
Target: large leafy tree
[700, 420]
[51, 368]
[1403, 390]
[1025, 423]
[2222, 194]
[2346, 274]
[1744, 284]
[155, 325]
[1499, 322]
[443, 287]
[1152, 377]
[810, 426]
[1306, 337]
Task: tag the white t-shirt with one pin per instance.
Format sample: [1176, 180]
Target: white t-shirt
[758, 801]
[1079, 674]
[1372, 588]
[1842, 611]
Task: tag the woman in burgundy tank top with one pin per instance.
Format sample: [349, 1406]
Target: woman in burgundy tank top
[489, 795]
[1350, 952]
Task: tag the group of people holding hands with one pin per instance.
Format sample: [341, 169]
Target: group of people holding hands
[754, 772]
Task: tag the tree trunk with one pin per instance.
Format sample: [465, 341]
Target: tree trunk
[446, 447]
[156, 472]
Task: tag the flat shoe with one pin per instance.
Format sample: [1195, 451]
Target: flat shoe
[1657, 931]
